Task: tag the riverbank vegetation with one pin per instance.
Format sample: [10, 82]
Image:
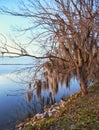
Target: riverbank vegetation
[80, 112]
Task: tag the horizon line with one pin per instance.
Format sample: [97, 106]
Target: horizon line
[16, 64]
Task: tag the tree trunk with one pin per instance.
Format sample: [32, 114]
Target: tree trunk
[83, 86]
[83, 82]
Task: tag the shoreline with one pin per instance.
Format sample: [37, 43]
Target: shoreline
[50, 111]
[69, 110]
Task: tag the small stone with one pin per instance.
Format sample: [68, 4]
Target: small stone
[53, 110]
[45, 114]
[62, 103]
[20, 128]
[38, 116]
[20, 125]
[26, 124]
[33, 123]
[50, 114]
[57, 108]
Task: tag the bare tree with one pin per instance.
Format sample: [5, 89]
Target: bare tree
[69, 32]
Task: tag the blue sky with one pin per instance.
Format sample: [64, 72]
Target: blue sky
[6, 22]
[9, 24]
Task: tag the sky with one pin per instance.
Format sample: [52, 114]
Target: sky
[6, 22]
[9, 25]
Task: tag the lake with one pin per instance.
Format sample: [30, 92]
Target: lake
[17, 102]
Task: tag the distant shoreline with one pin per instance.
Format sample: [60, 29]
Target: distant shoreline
[16, 64]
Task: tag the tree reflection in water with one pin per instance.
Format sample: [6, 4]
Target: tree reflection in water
[44, 92]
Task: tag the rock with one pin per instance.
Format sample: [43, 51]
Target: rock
[62, 103]
[50, 114]
[49, 111]
[47, 107]
[20, 128]
[57, 108]
[26, 124]
[38, 116]
[45, 114]
[33, 123]
[54, 110]
[55, 114]
[20, 125]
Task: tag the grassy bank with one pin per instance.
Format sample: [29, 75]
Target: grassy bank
[79, 113]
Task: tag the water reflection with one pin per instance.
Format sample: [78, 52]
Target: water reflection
[18, 103]
[47, 93]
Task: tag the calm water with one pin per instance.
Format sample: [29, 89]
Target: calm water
[15, 103]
